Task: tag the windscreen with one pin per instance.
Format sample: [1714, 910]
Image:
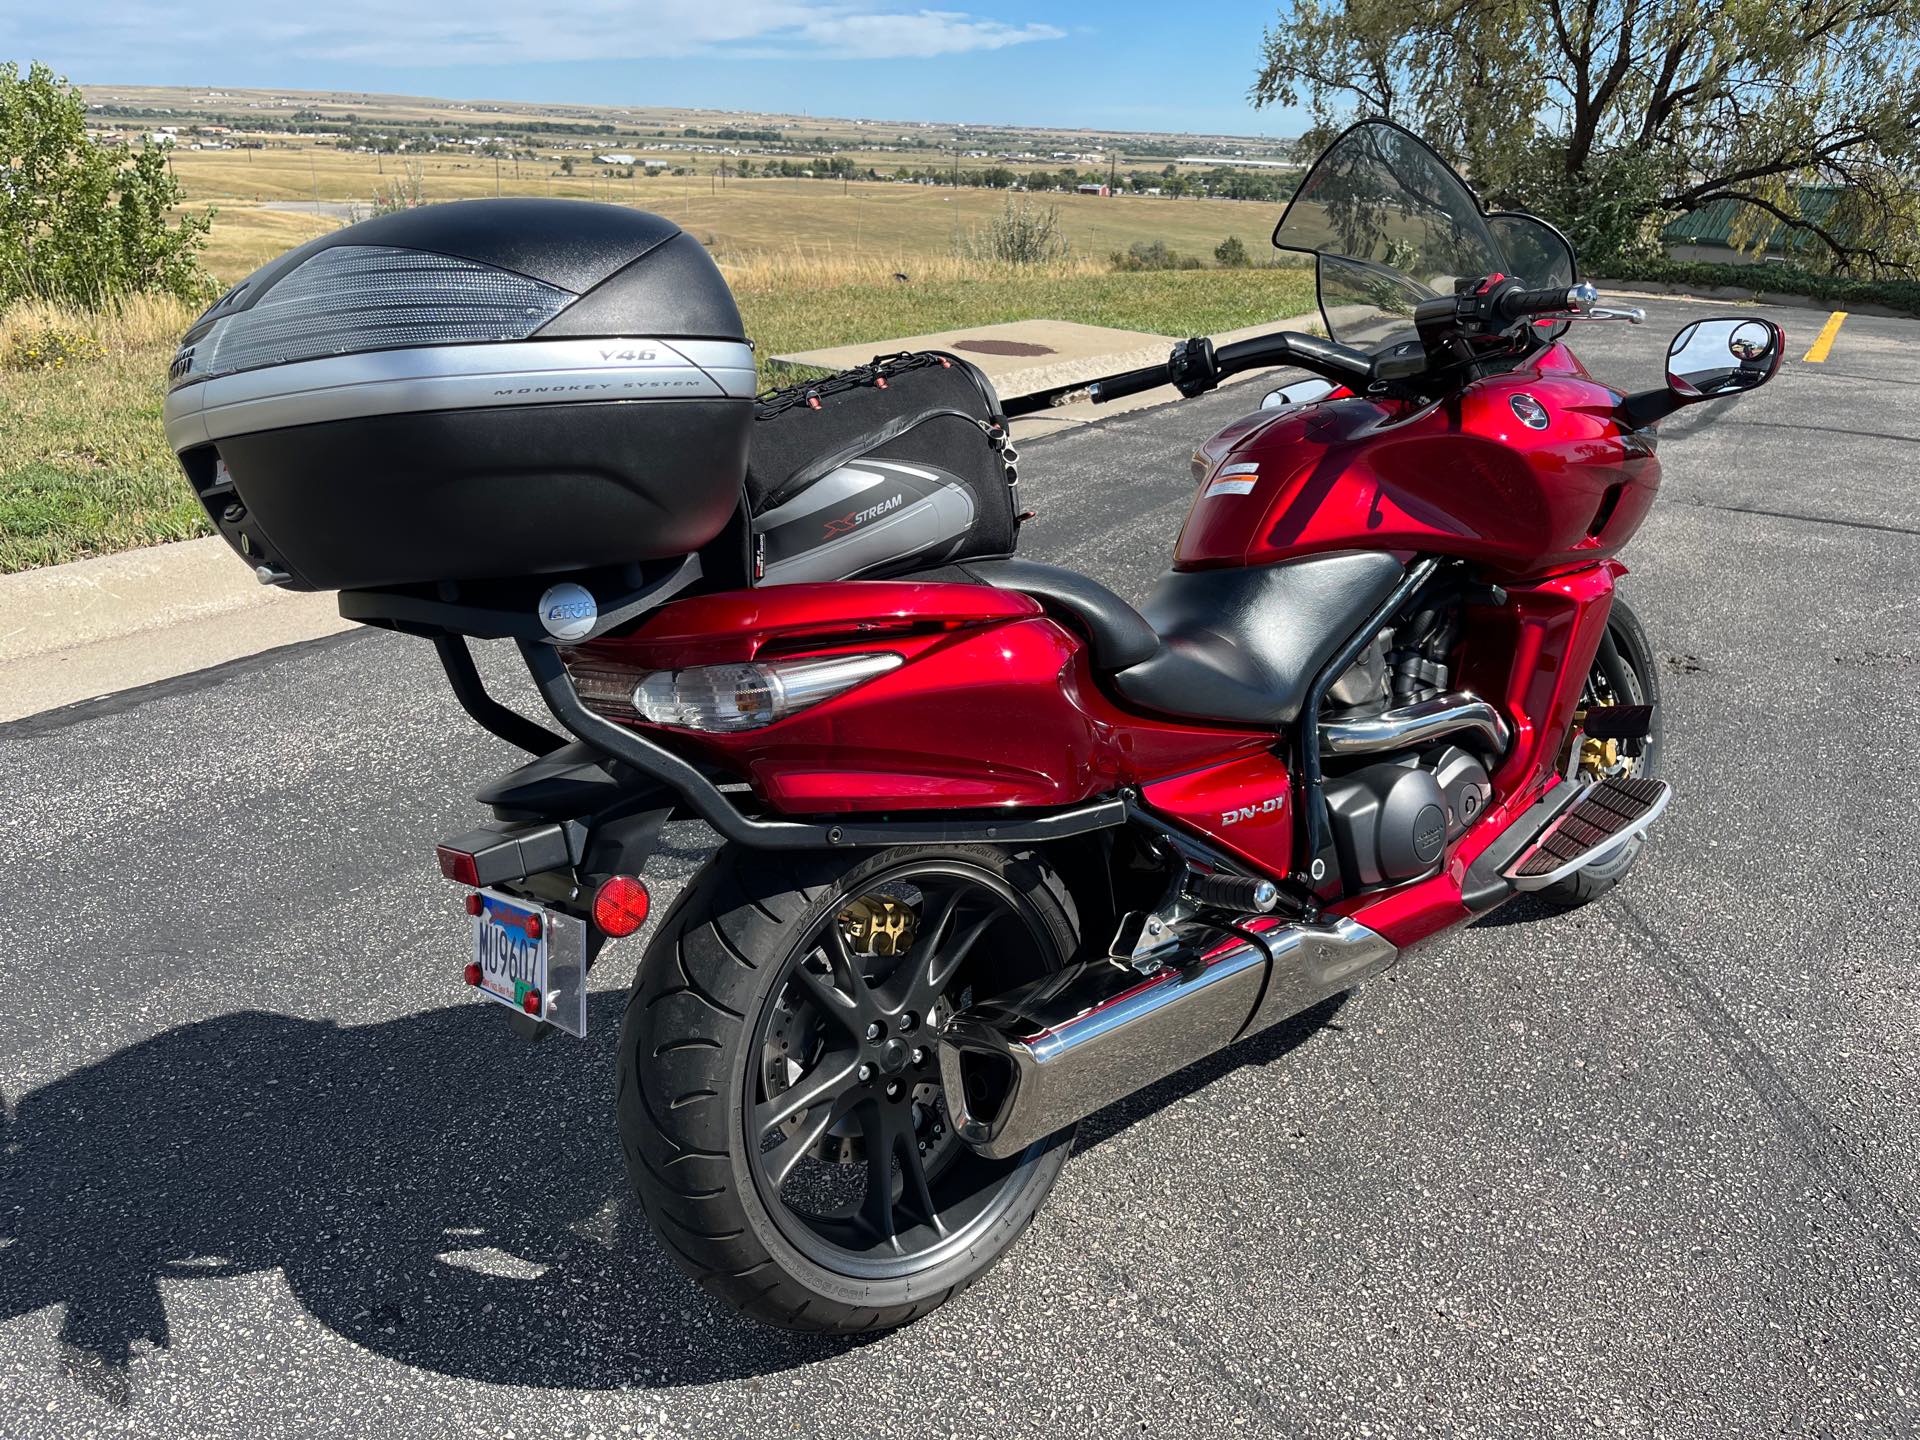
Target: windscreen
[1392, 225]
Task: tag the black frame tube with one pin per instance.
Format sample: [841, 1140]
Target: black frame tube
[510, 725]
[1310, 819]
[711, 804]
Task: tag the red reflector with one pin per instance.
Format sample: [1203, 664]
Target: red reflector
[458, 865]
[532, 1002]
[474, 903]
[473, 972]
[620, 906]
[533, 927]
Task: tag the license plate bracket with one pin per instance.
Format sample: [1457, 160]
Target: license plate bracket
[522, 948]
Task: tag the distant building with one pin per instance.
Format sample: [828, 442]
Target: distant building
[1092, 190]
[616, 160]
[1724, 232]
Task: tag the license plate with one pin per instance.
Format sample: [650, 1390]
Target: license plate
[533, 960]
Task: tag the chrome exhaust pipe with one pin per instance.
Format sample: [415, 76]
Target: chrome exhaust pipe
[1415, 725]
[1022, 1065]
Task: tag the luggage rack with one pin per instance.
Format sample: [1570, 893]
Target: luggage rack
[509, 613]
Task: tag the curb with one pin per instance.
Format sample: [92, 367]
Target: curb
[93, 627]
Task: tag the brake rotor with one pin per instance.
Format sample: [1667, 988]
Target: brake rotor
[793, 1046]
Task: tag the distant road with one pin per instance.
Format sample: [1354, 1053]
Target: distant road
[338, 209]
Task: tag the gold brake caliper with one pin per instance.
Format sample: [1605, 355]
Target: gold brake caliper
[1598, 758]
[876, 925]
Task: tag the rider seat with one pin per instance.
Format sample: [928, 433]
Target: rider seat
[1239, 645]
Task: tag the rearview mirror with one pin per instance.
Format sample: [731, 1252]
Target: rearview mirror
[1301, 392]
[1723, 356]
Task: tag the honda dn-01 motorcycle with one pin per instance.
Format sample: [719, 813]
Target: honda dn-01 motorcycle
[996, 849]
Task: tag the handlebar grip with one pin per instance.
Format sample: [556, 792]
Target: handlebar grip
[1576, 298]
[1132, 382]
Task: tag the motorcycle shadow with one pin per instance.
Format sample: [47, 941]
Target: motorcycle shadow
[432, 1188]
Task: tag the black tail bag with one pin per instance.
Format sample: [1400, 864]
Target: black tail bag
[901, 464]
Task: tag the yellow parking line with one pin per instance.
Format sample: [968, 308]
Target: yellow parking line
[1823, 342]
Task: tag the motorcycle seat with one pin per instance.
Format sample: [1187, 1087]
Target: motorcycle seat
[1243, 645]
[1117, 636]
[1238, 645]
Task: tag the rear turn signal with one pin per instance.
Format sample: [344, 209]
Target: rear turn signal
[473, 972]
[620, 906]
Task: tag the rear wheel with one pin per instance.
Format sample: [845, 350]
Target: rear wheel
[1624, 673]
[780, 1098]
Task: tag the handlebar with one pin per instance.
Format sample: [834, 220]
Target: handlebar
[1196, 367]
[1131, 382]
[1516, 304]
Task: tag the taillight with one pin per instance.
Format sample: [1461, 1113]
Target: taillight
[474, 903]
[727, 698]
[620, 906]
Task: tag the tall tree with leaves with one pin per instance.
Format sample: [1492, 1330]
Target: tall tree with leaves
[79, 222]
[1610, 115]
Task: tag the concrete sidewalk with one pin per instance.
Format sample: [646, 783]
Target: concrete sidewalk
[93, 627]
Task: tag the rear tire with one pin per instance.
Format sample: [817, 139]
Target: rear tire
[1625, 672]
[745, 997]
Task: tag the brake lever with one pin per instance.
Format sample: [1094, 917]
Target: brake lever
[1632, 314]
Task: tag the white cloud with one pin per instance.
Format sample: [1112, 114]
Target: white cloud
[102, 34]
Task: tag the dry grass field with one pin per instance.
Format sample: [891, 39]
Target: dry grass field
[738, 219]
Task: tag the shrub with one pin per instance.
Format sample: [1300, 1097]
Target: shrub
[1231, 254]
[1023, 233]
[1154, 255]
[407, 191]
[47, 347]
[80, 223]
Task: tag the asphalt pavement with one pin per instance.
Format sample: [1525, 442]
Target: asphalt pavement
[1646, 1169]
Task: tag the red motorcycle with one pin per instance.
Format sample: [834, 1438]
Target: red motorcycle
[999, 850]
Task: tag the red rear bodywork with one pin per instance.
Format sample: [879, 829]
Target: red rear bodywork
[997, 705]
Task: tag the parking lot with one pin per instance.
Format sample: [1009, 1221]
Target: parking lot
[1644, 1169]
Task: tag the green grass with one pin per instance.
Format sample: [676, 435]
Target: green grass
[86, 469]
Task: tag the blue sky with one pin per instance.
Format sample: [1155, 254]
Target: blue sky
[1123, 64]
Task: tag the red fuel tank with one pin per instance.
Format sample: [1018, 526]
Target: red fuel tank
[1525, 473]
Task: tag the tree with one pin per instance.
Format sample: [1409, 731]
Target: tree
[1609, 116]
[80, 223]
[566, 164]
[1231, 253]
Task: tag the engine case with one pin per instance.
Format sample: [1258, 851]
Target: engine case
[1393, 820]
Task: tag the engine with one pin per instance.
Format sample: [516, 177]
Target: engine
[1391, 819]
